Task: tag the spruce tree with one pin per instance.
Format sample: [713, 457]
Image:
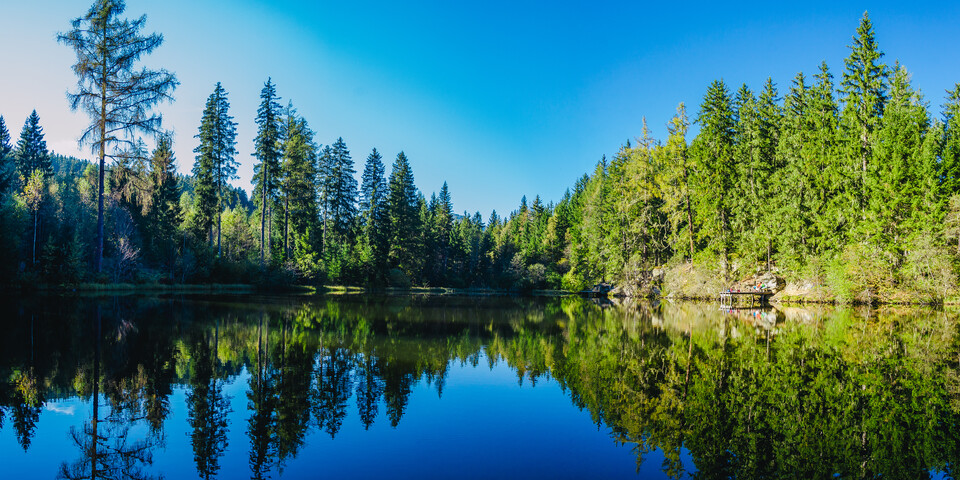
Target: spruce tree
[373, 214]
[31, 150]
[829, 188]
[218, 143]
[677, 183]
[268, 151]
[373, 187]
[299, 179]
[8, 167]
[404, 214]
[342, 196]
[864, 88]
[165, 214]
[896, 184]
[712, 153]
[443, 227]
[204, 182]
[950, 173]
[117, 96]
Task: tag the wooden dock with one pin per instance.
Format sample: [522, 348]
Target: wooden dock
[747, 299]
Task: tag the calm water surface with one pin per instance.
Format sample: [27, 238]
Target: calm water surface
[456, 387]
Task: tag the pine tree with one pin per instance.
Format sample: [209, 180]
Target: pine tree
[373, 214]
[373, 188]
[268, 152]
[404, 214]
[950, 173]
[299, 180]
[165, 215]
[31, 150]
[677, 183]
[118, 98]
[8, 167]
[864, 89]
[443, 228]
[342, 193]
[204, 183]
[829, 186]
[756, 137]
[895, 183]
[712, 153]
[216, 151]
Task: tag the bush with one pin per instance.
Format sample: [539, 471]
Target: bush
[860, 273]
[927, 269]
[573, 281]
[398, 279]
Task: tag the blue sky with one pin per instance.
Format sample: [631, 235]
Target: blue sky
[500, 99]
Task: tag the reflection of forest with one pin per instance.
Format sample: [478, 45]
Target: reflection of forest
[770, 394]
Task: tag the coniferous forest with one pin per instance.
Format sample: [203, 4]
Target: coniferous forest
[849, 183]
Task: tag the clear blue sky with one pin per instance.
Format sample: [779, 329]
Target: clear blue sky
[499, 98]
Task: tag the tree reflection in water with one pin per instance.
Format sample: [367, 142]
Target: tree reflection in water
[755, 394]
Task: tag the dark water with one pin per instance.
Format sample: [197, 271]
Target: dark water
[449, 387]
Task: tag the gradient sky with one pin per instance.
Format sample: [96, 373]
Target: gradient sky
[499, 98]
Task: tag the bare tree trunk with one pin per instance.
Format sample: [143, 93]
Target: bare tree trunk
[769, 247]
[286, 226]
[35, 215]
[219, 213]
[98, 262]
[263, 211]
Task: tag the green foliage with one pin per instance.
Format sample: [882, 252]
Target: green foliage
[215, 163]
[716, 169]
[404, 217]
[8, 166]
[266, 175]
[31, 152]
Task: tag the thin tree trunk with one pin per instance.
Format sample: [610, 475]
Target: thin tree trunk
[686, 184]
[270, 234]
[98, 262]
[286, 226]
[219, 213]
[769, 247]
[35, 215]
[263, 211]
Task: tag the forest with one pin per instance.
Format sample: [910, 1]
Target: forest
[852, 185]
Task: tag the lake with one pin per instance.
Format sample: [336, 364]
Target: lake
[366, 386]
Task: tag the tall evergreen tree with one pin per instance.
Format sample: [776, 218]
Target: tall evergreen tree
[678, 183]
[118, 98]
[864, 89]
[950, 174]
[373, 187]
[716, 168]
[204, 183]
[442, 217]
[896, 182]
[218, 142]
[31, 150]
[373, 214]
[299, 179]
[404, 215]
[828, 185]
[341, 193]
[165, 213]
[268, 151]
[8, 167]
